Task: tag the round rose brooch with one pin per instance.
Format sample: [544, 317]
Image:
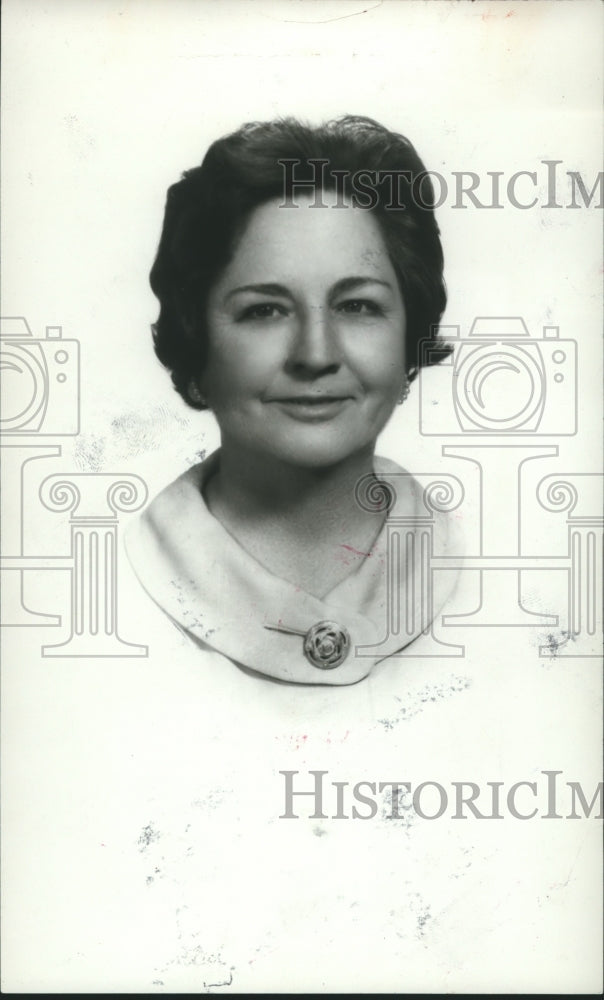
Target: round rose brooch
[326, 645]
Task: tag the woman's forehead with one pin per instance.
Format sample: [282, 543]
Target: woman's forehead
[328, 239]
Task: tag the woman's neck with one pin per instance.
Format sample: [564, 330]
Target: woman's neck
[303, 524]
[259, 486]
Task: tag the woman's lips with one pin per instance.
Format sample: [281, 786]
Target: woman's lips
[311, 408]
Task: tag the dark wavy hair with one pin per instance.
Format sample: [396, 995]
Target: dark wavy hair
[208, 209]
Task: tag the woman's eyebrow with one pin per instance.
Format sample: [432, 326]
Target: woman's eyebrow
[348, 284]
[263, 289]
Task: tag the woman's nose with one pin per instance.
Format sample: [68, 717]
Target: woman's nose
[314, 346]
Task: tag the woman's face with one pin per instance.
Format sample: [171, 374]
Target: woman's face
[306, 330]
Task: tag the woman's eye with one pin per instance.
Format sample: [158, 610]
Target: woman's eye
[262, 310]
[360, 307]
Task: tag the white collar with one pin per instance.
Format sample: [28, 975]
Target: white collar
[210, 586]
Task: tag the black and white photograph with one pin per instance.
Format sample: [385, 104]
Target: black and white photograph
[300, 431]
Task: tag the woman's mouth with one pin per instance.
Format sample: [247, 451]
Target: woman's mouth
[312, 408]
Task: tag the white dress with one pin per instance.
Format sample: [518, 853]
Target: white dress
[224, 598]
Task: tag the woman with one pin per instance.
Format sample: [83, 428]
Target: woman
[297, 272]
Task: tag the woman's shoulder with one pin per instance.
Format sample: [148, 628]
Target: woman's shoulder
[181, 493]
[174, 511]
[158, 539]
[433, 502]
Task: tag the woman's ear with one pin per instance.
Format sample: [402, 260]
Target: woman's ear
[404, 390]
[195, 394]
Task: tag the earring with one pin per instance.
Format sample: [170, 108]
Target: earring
[195, 393]
[405, 389]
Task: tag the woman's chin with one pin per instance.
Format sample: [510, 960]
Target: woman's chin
[319, 454]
